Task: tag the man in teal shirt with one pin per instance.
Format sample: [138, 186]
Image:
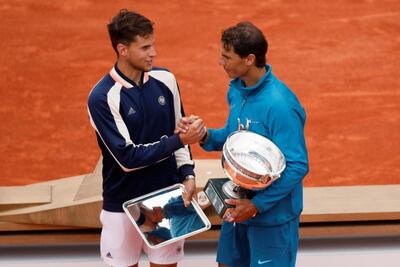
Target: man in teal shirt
[265, 105]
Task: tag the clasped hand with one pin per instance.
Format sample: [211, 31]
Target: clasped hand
[190, 129]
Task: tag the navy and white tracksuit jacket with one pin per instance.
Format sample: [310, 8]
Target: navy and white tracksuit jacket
[135, 132]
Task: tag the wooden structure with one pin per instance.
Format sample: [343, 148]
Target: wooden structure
[66, 210]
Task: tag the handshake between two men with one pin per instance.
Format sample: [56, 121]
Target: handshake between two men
[191, 130]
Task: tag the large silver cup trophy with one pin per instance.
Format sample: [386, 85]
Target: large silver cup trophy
[251, 163]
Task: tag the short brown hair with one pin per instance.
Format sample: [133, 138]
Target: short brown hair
[126, 25]
[245, 39]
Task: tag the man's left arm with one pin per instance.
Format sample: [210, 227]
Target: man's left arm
[287, 132]
[286, 127]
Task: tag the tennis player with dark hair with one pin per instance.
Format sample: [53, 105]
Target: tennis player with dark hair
[264, 230]
[134, 110]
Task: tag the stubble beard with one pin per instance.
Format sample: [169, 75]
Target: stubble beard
[144, 68]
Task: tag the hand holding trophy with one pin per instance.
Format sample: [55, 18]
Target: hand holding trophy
[251, 162]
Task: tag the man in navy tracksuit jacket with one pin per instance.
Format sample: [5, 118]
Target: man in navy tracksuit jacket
[262, 231]
[134, 110]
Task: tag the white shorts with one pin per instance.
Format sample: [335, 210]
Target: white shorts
[121, 245]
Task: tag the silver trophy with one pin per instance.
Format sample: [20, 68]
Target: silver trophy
[251, 162]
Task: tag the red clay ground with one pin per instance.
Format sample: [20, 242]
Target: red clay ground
[340, 57]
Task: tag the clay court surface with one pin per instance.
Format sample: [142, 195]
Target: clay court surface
[341, 58]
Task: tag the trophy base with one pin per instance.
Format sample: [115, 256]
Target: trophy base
[216, 195]
[219, 189]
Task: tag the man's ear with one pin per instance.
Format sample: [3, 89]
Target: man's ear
[250, 60]
[122, 50]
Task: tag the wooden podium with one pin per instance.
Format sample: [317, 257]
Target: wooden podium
[67, 210]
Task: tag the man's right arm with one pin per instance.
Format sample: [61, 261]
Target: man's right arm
[108, 123]
[215, 139]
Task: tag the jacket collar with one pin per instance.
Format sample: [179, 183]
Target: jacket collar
[238, 83]
[120, 78]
